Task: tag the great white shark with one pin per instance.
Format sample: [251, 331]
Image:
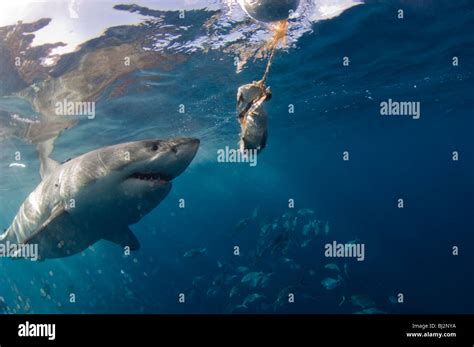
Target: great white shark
[97, 195]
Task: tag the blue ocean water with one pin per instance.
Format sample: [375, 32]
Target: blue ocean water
[336, 109]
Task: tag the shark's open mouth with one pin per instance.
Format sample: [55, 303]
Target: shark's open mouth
[150, 176]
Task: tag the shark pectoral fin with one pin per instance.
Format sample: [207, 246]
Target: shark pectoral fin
[123, 237]
[58, 215]
[264, 140]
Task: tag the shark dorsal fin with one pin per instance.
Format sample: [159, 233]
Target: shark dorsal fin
[48, 165]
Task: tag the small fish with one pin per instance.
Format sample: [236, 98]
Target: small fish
[305, 212]
[332, 266]
[316, 227]
[264, 279]
[362, 300]
[242, 224]
[212, 292]
[265, 228]
[218, 280]
[252, 298]
[233, 292]
[305, 243]
[229, 279]
[283, 295]
[342, 301]
[330, 283]
[197, 280]
[255, 213]
[251, 276]
[307, 228]
[287, 261]
[351, 242]
[393, 299]
[243, 269]
[372, 310]
[294, 224]
[129, 294]
[195, 252]
[326, 228]
[256, 279]
[346, 270]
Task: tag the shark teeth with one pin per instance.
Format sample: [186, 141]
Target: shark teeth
[147, 176]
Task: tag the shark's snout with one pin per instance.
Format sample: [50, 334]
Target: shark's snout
[186, 147]
[162, 160]
[183, 152]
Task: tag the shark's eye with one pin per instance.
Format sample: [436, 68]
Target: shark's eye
[154, 147]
